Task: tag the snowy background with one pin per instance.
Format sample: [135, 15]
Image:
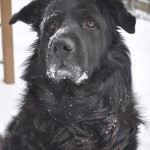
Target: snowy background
[138, 43]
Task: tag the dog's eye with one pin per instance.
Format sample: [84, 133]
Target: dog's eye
[89, 24]
[53, 26]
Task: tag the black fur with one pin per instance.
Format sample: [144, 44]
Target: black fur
[1, 142]
[98, 114]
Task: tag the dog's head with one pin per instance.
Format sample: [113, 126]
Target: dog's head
[74, 34]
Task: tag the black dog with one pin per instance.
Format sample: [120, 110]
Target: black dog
[79, 93]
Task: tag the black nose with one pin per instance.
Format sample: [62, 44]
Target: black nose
[63, 46]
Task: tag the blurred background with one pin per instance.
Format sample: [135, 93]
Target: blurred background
[138, 43]
[140, 8]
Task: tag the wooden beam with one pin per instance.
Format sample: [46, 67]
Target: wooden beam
[7, 42]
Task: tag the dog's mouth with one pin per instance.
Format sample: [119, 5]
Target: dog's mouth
[74, 73]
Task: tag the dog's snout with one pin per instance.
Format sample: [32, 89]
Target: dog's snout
[63, 45]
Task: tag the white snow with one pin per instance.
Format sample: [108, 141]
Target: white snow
[64, 73]
[54, 73]
[51, 72]
[138, 43]
[82, 78]
[142, 14]
[43, 22]
[54, 14]
[57, 34]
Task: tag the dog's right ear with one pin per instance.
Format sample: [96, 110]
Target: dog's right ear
[30, 14]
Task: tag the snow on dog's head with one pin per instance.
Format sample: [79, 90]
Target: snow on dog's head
[73, 41]
[57, 34]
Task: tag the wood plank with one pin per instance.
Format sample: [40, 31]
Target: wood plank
[7, 42]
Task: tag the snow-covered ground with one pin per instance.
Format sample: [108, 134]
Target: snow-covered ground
[138, 43]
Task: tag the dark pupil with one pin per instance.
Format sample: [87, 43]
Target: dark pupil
[53, 26]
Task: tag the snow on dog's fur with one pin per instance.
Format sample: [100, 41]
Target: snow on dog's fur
[79, 93]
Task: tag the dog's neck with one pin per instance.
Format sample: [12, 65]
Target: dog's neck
[76, 101]
[66, 87]
[69, 104]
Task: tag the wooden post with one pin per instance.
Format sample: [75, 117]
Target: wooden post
[7, 42]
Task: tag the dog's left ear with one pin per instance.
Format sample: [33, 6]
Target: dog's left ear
[30, 14]
[121, 16]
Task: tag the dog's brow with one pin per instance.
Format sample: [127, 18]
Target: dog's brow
[47, 17]
[85, 10]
